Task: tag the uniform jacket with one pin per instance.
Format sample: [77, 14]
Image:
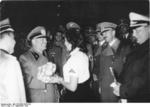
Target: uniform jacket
[30, 68]
[135, 75]
[12, 89]
[37, 90]
[110, 58]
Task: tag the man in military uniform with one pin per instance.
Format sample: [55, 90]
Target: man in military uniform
[96, 61]
[37, 91]
[133, 82]
[111, 61]
[12, 88]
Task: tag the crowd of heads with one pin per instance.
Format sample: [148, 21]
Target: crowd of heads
[79, 37]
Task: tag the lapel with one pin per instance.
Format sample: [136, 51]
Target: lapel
[38, 62]
[111, 50]
[98, 51]
[115, 45]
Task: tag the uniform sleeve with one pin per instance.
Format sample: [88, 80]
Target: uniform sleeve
[76, 67]
[30, 70]
[96, 67]
[73, 72]
[80, 67]
[25, 65]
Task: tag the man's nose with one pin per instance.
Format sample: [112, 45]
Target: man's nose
[134, 33]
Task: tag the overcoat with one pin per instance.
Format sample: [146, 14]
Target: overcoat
[115, 60]
[12, 89]
[135, 76]
[37, 91]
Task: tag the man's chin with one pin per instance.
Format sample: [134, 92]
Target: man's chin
[44, 48]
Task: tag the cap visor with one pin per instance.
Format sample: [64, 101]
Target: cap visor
[105, 31]
[41, 37]
[7, 30]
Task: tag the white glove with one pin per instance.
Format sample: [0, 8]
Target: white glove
[116, 88]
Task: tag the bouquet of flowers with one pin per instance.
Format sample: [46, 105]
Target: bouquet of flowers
[46, 71]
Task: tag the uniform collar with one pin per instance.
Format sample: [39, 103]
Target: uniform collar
[34, 50]
[145, 45]
[35, 54]
[114, 44]
[101, 42]
[74, 51]
[4, 51]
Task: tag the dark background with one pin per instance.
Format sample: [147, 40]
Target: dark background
[25, 15]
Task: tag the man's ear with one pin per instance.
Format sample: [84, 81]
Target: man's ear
[149, 30]
[33, 41]
[114, 33]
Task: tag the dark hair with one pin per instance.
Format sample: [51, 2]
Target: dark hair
[75, 37]
[122, 28]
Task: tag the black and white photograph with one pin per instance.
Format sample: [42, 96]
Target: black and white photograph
[74, 51]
